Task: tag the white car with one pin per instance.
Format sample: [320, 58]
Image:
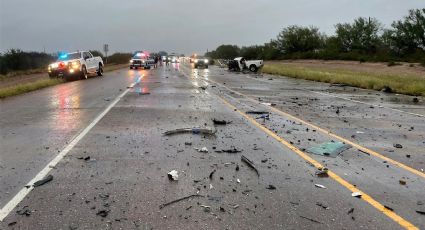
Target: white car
[78, 64]
[240, 63]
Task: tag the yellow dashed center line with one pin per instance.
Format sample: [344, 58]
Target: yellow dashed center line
[402, 222]
[364, 149]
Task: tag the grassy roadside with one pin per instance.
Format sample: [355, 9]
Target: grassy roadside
[42, 83]
[404, 84]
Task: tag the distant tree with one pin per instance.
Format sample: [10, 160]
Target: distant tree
[252, 52]
[407, 35]
[226, 52]
[120, 58]
[299, 39]
[162, 53]
[362, 35]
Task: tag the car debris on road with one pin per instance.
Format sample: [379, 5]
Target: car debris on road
[203, 131]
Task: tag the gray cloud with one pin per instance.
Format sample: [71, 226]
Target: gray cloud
[182, 26]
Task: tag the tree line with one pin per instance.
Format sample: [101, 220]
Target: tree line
[364, 39]
[18, 60]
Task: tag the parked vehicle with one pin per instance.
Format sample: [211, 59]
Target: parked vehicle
[240, 64]
[141, 60]
[76, 65]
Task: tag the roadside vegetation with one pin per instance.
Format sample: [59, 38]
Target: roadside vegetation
[398, 83]
[363, 40]
[28, 87]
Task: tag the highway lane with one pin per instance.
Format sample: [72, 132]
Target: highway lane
[129, 160]
[37, 125]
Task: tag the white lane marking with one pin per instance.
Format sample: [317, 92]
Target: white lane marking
[4, 212]
[365, 103]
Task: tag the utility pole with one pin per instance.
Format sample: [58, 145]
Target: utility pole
[106, 49]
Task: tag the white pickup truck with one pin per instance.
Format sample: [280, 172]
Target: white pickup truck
[240, 63]
[78, 64]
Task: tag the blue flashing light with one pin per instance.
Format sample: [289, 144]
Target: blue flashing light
[63, 55]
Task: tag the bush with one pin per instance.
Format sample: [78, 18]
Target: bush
[17, 60]
[119, 58]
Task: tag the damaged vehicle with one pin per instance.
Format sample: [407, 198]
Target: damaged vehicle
[240, 64]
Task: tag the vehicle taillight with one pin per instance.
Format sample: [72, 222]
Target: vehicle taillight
[61, 65]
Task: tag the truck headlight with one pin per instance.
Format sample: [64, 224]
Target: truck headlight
[196, 61]
[131, 61]
[206, 60]
[75, 65]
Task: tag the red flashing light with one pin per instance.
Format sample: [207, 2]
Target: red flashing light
[61, 65]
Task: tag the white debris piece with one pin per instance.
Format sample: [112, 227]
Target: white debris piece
[203, 150]
[173, 175]
[356, 194]
[319, 186]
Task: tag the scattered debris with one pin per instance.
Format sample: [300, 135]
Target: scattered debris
[178, 200]
[144, 93]
[322, 172]
[43, 181]
[188, 143]
[206, 208]
[420, 212]
[231, 150]
[312, 220]
[237, 180]
[103, 213]
[257, 112]
[415, 100]
[398, 146]
[359, 132]
[11, 223]
[322, 205]
[84, 158]
[24, 211]
[319, 186]
[389, 208]
[356, 194]
[332, 149]
[212, 173]
[250, 164]
[268, 104]
[402, 182]
[350, 211]
[107, 99]
[386, 89]
[221, 122]
[173, 175]
[234, 206]
[202, 150]
[204, 131]
[271, 187]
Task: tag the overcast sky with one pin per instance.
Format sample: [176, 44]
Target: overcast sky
[182, 26]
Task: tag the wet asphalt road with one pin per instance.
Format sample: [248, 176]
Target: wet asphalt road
[123, 180]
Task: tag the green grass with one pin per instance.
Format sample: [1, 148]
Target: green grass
[43, 83]
[403, 84]
[28, 87]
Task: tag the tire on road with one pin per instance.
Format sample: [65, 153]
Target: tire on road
[99, 70]
[83, 74]
[253, 68]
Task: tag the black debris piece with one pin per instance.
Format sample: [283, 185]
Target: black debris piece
[322, 172]
[312, 220]
[103, 213]
[221, 122]
[222, 209]
[24, 211]
[415, 100]
[350, 211]
[188, 143]
[212, 174]
[249, 163]
[84, 158]
[322, 205]
[11, 223]
[257, 112]
[43, 181]
[237, 167]
[203, 131]
[231, 150]
[398, 146]
[271, 187]
[178, 200]
[389, 208]
[420, 212]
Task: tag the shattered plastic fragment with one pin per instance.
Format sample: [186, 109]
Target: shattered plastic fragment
[203, 150]
[43, 181]
[319, 186]
[204, 131]
[332, 149]
[356, 194]
[173, 175]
